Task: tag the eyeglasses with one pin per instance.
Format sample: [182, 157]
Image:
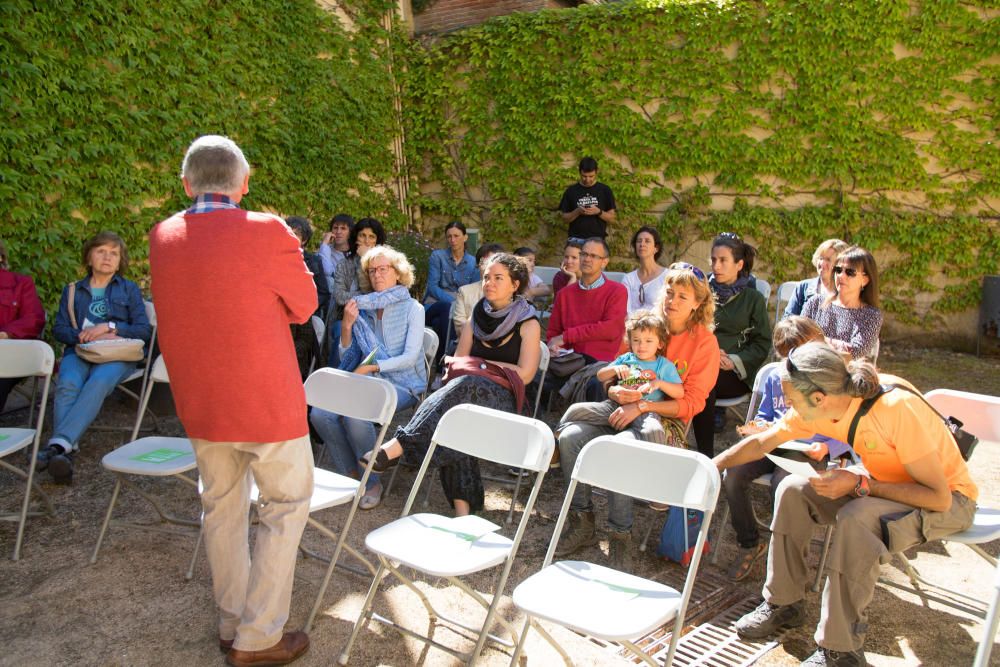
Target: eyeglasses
[590, 255]
[380, 270]
[795, 373]
[684, 266]
[844, 269]
[642, 294]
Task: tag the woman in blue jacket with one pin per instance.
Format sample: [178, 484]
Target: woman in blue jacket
[450, 268]
[106, 306]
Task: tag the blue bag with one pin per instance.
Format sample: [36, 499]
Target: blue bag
[680, 535]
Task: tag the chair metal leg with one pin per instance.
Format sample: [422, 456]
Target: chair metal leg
[107, 519]
[989, 633]
[822, 558]
[364, 616]
[194, 556]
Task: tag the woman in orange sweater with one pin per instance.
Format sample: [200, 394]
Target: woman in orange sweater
[688, 307]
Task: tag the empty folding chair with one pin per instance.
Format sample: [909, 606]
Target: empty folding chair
[763, 287]
[349, 395]
[25, 358]
[440, 546]
[598, 600]
[785, 292]
[152, 456]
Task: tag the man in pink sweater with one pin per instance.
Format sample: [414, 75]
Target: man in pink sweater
[589, 316]
[227, 283]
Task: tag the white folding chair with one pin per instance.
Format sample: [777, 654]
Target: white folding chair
[349, 395]
[785, 292]
[431, 343]
[617, 276]
[547, 273]
[319, 328]
[990, 627]
[152, 456]
[453, 547]
[980, 415]
[764, 288]
[606, 603]
[22, 358]
[141, 372]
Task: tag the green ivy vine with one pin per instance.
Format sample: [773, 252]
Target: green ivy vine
[789, 121]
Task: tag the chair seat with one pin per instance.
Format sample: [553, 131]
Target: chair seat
[134, 375]
[426, 542]
[985, 528]
[14, 439]
[731, 402]
[155, 456]
[619, 605]
[329, 490]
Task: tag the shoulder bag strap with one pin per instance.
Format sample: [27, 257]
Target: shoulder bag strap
[863, 409]
[72, 305]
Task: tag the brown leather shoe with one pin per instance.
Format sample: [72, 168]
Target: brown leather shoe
[225, 644]
[289, 648]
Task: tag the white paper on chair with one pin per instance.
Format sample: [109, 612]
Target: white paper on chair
[460, 529]
[795, 467]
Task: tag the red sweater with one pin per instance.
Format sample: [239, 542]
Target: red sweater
[592, 321]
[21, 312]
[226, 286]
[696, 355]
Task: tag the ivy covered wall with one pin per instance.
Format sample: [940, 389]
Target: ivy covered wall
[99, 100]
[788, 121]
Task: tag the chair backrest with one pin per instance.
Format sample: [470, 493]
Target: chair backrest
[758, 389]
[159, 372]
[23, 358]
[546, 273]
[351, 395]
[430, 348]
[649, 471]
[617, 276]
[764, 288]
[319, 328]
[979, 413]
[543, 367]
[785, 292]
[150, 312]
[494, 435]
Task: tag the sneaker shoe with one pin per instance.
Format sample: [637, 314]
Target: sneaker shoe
[768, 619]
[824, 657]
[578, 533]
[620, 551]
[61, 468]
[46, 455]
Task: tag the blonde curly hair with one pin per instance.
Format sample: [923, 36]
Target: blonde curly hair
[396, 259]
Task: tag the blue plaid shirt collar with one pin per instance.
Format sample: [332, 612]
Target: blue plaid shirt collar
[211, 201]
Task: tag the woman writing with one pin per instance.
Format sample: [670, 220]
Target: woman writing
[389, 321]
[742, 327]
[850, 317]
[645, 283]
[687, 306]
[503, 330]
[105, 306]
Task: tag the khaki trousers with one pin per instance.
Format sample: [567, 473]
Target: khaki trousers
[254, 595]
[856, 553]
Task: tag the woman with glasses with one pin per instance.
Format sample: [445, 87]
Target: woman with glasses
[385, 319]
[850, 317]
[742, 328]
[823, 259]
[644, 284]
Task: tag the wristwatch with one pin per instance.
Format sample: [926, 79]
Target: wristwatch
[863, 487]
[112, 327]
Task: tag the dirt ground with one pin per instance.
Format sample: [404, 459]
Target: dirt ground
[134, 606]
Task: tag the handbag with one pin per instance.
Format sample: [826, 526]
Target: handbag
[564, 365]
[965, 441]
[103, 351]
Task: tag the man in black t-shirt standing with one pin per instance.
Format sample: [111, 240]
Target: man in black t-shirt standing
[588, 206]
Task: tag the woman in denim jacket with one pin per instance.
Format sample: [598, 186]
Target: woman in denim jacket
[106, 306]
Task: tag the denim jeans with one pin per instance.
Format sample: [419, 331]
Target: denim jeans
[572, 440]
[80, 393]
[347, 439]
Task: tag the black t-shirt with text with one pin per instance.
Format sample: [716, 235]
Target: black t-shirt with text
[577, 195]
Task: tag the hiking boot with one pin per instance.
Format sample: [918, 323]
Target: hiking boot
[578, 533]
[61, 468]
[620, 551]
[768, 619]
[824, 657]
[45, 455]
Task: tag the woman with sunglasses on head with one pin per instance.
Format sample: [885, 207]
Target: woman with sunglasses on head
[850, 317]
[644, 284]
[742, 327]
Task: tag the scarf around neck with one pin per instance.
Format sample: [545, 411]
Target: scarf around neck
[362, 331]
[727, 292]
[489, 324]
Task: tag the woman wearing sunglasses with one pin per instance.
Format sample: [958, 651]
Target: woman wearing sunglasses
[645, 283]
[850, 317]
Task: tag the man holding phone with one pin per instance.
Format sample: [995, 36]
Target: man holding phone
[588, 205]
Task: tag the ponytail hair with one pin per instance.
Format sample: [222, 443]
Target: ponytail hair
[741, 251]
[818, 367]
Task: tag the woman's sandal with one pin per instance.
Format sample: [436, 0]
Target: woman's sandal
[382, 462]
[743, 562]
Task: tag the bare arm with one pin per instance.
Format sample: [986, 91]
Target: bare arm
[929, 490]
[751, 448]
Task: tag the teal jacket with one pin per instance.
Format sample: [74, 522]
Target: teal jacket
[743, 330]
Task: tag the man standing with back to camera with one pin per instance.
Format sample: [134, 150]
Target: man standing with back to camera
[227, 283]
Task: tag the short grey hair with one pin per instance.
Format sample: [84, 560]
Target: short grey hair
[214, 163]
[818, 367]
